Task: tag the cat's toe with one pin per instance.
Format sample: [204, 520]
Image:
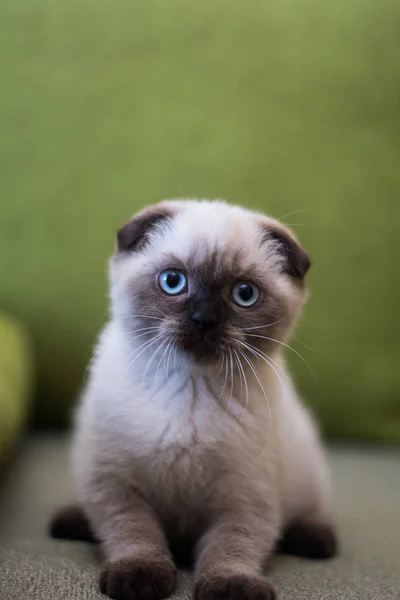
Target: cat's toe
[138, 579]
[234, 587]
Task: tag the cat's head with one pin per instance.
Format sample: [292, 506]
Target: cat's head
[206, 278]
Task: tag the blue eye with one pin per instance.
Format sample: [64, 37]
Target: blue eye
[245, 294]
[173, 282]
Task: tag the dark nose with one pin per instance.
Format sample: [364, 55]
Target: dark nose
[204, 319]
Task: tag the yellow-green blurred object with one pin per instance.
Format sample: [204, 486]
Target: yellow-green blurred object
[288, 106]
[15, 382]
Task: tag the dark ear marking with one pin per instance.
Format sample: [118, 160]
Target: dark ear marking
[297, 260]
[134, 234]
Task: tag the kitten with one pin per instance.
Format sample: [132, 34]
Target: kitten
[190, 434]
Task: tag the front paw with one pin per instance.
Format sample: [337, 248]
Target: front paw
[233, 587]
[136, 578]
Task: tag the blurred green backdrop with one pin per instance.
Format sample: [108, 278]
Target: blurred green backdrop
[292, 107]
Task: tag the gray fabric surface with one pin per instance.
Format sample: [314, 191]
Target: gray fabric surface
[32, 567]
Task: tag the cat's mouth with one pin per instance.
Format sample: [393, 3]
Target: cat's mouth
[205, 347]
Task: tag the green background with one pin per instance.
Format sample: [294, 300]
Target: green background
[281, 105]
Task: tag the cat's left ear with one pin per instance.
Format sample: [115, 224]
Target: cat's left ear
[136, 232]
[297, 262]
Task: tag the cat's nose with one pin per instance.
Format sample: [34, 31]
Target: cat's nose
[204, 320]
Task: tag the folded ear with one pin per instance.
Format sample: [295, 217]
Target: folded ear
[297, 261]
[135, 233]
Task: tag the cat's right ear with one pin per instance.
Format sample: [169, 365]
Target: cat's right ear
[135, 233]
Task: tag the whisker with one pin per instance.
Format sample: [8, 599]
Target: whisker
[136, 349]
[254, 371]
[170, 352]
[151, 360]
[140, 335]
[146, 346]
[294, 392]
[296, 224]
[265, 326]
[286, 346]
[220, 364]
[162, 358]
[266, 398]
[240, 374]
[160, 311]
[231, 366]
[270, 363]
[150, 328]
[305, 345]
[175, 353]
[295, 212]
[140, 317]
[244, 378]
[226, 375]
[255, 374]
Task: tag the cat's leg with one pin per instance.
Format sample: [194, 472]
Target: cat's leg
[70, 523]
[231, 554]
[138, 562]
[308, 529]
[309, 538]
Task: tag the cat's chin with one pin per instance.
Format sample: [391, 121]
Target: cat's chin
[201, 351]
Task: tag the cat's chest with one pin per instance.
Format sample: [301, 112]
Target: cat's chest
[181, 415]
[173, 443]
[174, 431]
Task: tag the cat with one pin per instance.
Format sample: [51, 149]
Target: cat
[190, 435]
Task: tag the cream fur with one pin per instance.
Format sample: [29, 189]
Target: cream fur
[166, 431]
